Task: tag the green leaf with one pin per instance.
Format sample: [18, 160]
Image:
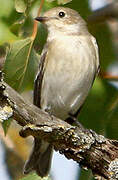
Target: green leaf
[17, 26]
[6, 124]
[6, 8]
[5, 34]
[34, 176]
[21, 65]
[86, 175]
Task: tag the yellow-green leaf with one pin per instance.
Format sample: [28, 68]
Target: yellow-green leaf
[60, 1]
[20, 6]
[5, 34]
[6, 8]
[21, 65]
[23, 6]
[64, 1]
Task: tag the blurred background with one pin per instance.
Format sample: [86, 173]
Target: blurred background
[100, 111]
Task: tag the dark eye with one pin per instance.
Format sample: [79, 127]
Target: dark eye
[61, 14]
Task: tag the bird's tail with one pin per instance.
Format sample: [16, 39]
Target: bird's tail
[40, 158]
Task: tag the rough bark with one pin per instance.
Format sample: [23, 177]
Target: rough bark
[84, 146]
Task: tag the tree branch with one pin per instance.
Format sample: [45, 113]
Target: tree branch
[84, 146]
[107, 12]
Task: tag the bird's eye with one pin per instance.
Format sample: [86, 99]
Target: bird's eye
[61, 14]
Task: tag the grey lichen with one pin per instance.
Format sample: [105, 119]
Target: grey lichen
[99, 138]
[5, 113]
[113, 169]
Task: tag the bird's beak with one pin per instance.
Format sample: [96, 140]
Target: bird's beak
[42, 19]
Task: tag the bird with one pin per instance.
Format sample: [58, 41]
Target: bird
[68, 66]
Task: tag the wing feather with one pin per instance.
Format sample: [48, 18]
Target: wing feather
[39, 78]
[97, 54]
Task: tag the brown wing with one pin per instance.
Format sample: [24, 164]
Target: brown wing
[38, 80]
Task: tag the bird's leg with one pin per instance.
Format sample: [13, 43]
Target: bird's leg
[73, 121]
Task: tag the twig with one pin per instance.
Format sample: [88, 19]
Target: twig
[36, 22]
[84, 146]
[107, 76]
[110, 77]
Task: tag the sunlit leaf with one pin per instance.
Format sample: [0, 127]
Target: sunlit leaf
[33, 176]
[21, 65]
[50, 0]
[20, 5]
[60, 1]
[64, 1]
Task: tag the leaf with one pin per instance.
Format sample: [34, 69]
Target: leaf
[6, 8]
[5, 34]
[34, 176]
[60, 1]
[86, 175]
[23, 6]
[20, 6]
[16, 27]
[21, 65]
[6, 124]
[6, 113]
[64, 1]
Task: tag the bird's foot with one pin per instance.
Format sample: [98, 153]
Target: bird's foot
[73, 121]
[49, 112]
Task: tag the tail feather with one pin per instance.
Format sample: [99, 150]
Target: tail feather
[40, 158]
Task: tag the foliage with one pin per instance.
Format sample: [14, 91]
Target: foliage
[25, 60]
[100, 111]
[33, 176]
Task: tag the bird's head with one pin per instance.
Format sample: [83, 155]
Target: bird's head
[63, 20]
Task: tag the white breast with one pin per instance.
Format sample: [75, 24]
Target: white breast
[70, 70]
